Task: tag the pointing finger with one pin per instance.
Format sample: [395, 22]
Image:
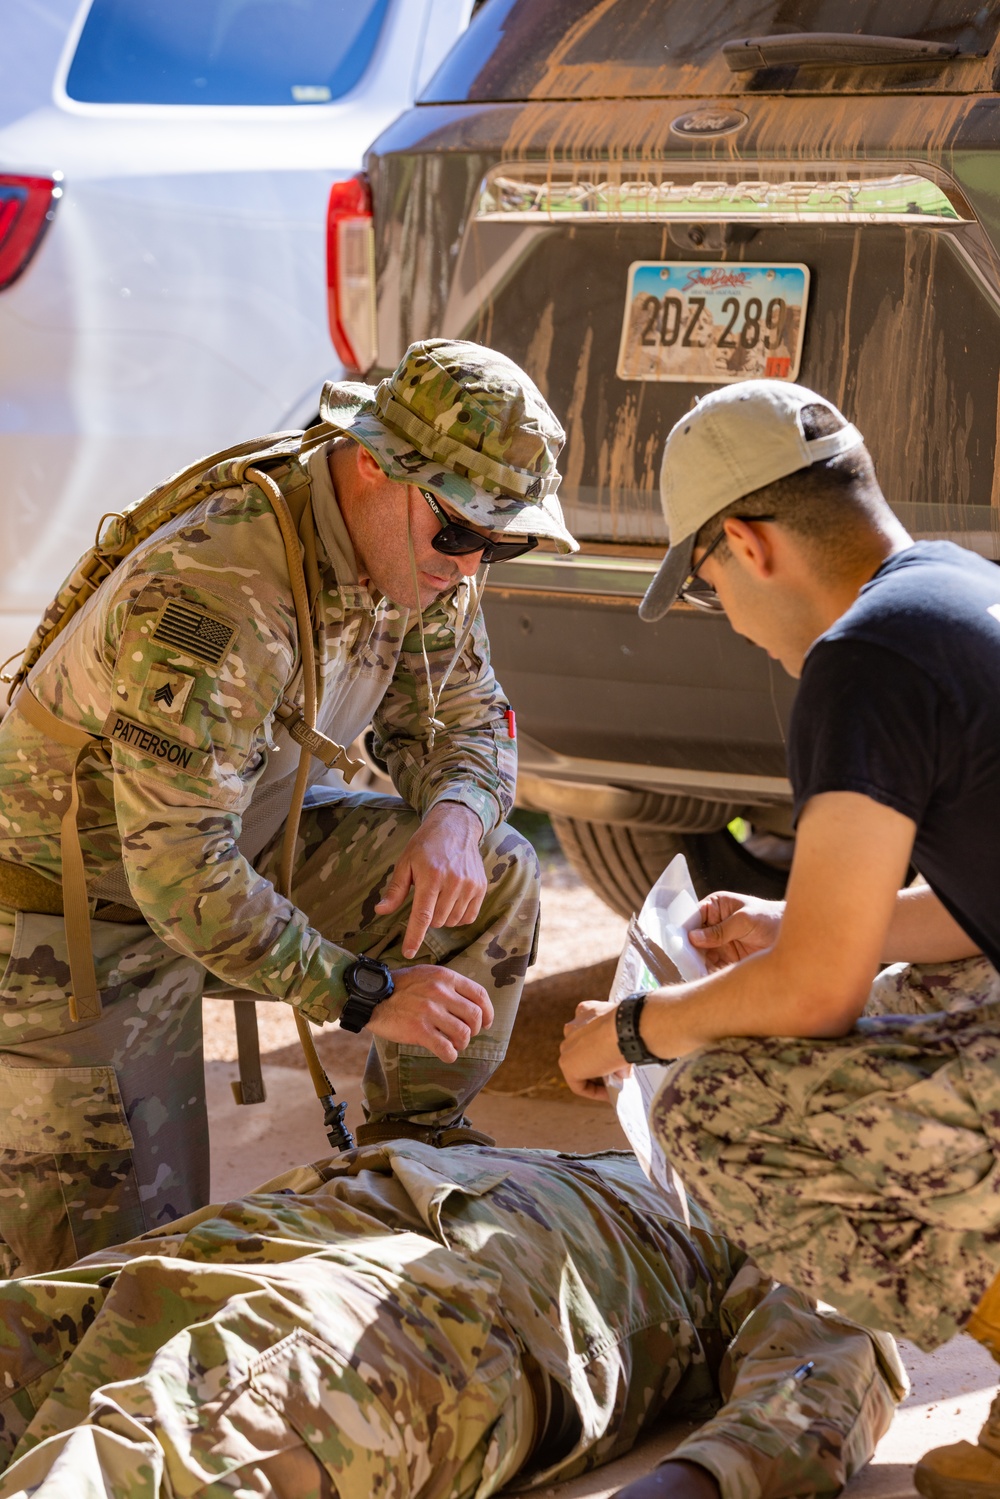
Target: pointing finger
[420, 920]
[397, 889]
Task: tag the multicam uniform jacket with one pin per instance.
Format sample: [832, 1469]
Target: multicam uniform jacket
[372, 1326]
[180, 661]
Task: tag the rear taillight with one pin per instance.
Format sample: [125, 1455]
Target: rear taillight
[350, 272]
[26, 208]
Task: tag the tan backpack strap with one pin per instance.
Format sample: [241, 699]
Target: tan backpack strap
[333, 1113]
[125, 530]
[250, 1088]
[85, 999]
[307, 535]
[46, 722]
[333, 755]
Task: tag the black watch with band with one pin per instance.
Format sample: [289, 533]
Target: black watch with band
[631, 1045]
[367, 983]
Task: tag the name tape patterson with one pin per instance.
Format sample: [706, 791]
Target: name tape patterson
[149, 742]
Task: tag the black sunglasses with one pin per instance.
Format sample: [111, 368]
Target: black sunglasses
[695, 590]
[456, 540]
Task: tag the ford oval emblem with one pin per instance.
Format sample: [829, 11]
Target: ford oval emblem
[709, 121]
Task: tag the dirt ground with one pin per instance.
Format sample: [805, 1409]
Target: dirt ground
[580, 940]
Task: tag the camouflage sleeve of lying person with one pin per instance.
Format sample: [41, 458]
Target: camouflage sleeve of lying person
[194, 690]
[444, 727]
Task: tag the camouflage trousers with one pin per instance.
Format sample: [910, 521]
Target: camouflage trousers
[404, 1321]
[347, 846]
[103, 1125]
[864, 1169]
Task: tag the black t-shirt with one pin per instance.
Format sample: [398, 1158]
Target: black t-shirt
[900, 701]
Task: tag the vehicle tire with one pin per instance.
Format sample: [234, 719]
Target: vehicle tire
[621, 863]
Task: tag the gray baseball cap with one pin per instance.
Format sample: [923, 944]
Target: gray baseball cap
[736, 440]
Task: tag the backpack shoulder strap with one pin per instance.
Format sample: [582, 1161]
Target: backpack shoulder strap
[128, 529]
[294, 518]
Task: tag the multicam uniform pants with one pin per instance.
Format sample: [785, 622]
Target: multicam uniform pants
[372, 1325]
[103, 1127]
[865, 1169]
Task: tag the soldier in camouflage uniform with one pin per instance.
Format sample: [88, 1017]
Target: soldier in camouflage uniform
[184, 667]
[857, 1155]
[405, 1321]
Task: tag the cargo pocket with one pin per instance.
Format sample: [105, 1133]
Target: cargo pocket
[67, 1178]
[337, 1412]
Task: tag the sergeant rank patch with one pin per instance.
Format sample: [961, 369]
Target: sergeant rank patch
[194, 631]
[167, 690]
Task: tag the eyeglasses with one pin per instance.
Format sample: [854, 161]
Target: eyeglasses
[697, 591]
[456, 540]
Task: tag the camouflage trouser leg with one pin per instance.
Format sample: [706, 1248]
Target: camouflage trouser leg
[348, 846]
[103, 1129]
[866, 1169]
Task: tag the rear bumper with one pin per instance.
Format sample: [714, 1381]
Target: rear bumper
[684, 706]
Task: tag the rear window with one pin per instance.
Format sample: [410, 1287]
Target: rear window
[522, 49]
[223, 51]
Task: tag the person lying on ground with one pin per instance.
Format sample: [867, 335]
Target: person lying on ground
[429, 1322]
[857, 1158]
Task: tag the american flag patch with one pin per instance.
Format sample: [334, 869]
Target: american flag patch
[191, 630]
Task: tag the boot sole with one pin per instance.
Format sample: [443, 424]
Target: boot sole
[934, 1486]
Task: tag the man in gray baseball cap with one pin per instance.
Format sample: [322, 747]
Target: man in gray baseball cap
[847, 1133]
[718, 454]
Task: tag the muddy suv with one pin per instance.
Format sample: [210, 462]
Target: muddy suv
[639, 201]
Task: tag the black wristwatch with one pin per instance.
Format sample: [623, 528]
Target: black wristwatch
[367, 983]
[631, 1045]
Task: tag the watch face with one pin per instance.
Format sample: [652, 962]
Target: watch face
[368, 981]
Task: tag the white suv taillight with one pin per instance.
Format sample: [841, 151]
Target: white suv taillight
[350, 272]
[27, 205]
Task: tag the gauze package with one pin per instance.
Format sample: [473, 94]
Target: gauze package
[657, 951]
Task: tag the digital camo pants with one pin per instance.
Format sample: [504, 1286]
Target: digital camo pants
[103, 1126]
[865, 1169]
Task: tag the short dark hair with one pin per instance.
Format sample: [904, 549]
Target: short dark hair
[830, 504]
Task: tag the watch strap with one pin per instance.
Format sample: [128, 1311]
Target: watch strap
[631, 1045]
[357, 1012]
[360, 1006]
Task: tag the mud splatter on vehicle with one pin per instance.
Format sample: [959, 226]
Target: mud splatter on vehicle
[637, 201]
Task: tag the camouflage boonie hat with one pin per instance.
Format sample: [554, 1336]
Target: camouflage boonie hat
[469, 425]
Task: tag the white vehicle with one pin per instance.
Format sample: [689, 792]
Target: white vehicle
[165, 169]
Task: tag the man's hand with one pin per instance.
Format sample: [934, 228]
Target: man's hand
[734, 926]
[590, 1048]
[443, 865]
[433, 1007]
[850, 858]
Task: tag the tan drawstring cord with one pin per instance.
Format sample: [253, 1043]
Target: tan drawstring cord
[432, 702]
[333, 1113]
[474, 596]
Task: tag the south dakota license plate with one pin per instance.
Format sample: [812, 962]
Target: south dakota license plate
[709, 324]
